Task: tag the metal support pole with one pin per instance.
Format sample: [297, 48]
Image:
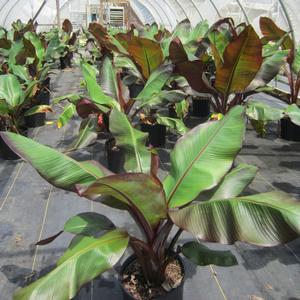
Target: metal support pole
[58, 13]
[243, 11]
[39, 10]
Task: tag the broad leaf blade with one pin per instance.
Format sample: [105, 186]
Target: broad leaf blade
[264, 219]
[235, 182]
[129, 189]
[85, 260]
[242, 61]
[203, 156]
[203, 256]
[89, 224]
[11, 90]
[67, 114]
[57, 168]
[133, 141]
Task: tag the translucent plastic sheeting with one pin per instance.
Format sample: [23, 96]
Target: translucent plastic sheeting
[165, 12]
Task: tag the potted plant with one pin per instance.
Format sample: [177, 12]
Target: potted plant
[13, 103]
[281, 39]
[156, 206]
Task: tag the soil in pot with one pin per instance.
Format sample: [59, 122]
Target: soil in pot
[115, 157]
[289, 130]
[135, 89]
[157, 134]
[136, 288]
[201, 107]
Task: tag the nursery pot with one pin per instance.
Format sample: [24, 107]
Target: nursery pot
[43, 97]
[289, 130]
[115, 157]
[135, 89]
[157, 134]
[36, 120]
[174, 294]
[201, 107]
[6, 153]
[66, 61]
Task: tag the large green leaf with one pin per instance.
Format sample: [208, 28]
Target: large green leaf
[293, 112]
[87, 134]
[133, 141]
[11, 90]
[125, 62]
[108, 79]
[242, 61]
[156, 82]
[199, 31]
[163, 98]
[86, 259]
[130, 189]
[95, 91]
[203, 256]
[202, 157]
[235, 182]
[269, 69]
[57, 168]
[261, 111]
[36, 42]
[172, 123]
[67, 114]
[89, 223]
[264, 219]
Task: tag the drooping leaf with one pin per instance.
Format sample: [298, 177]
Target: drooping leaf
[202, 157]
[259, 111]
[203, 256]
[86, 259]
[67, 114]
[129, 189]
[67, 26]
[38, 109]
[242, 61]
[125, 62]
[269, 69]
[57, 168]
[11, 90]
[265, 219]
[176, 124]
[36, 42]
[133, 141]
[235, 182]
[272, 32]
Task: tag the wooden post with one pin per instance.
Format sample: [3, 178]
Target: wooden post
[58, 13]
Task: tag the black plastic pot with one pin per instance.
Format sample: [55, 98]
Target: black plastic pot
[175, 294]
[43, 97]
[115, 157]
[66, 61]
[135, 89]
[36, 120]
[289, 130]
[172, 112]
[157, 134]
[201, 107]
[5, 152]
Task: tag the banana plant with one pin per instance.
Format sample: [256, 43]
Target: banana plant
[201, 161]
[15, 103]
[282, 40]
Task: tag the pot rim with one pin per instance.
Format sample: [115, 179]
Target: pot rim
[129, 260]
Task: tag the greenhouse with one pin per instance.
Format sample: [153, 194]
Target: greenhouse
[150, 149]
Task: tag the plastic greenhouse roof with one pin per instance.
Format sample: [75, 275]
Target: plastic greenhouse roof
[165, 12]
